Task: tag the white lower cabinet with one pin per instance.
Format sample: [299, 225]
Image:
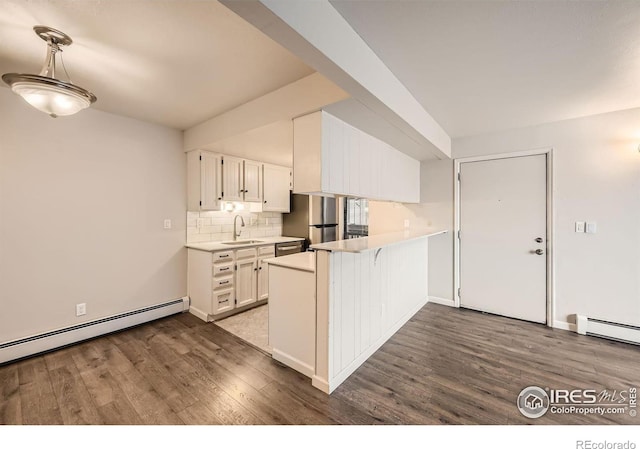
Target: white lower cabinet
[246, 277]
[264, 252]
[222, 281]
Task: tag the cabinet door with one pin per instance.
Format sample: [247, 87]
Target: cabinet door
[246, 282]
[253, 181]
[276, 181]
[210, 181]
[337, 159]
[353, 161]
[232, 179]
[263, 280]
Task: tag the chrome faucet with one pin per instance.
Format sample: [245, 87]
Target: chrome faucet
[236, 234]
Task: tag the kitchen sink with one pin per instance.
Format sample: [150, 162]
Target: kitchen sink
[242, 242]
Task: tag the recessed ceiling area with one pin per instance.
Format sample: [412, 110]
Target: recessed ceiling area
[271, 143]
[175, 63]
[485, 66]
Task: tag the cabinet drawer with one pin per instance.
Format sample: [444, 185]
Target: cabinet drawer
[222, 301]
[267, 251]
[222, 269]
[222, 256]
[222, 282]
[249, 253]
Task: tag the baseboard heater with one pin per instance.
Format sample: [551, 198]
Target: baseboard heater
[606, 329]
[36, 344]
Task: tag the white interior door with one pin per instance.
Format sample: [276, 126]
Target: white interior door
[503, 222]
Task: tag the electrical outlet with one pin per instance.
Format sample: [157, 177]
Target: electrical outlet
[579, 226]
[407, 223]
[266, 221]
[167, 223]
[199, 222]
[81, 309]
[591, 227]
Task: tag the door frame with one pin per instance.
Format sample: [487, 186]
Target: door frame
[548, 152]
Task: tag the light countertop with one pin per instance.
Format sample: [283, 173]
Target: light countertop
[300, 261]
[219, 246]
[375, 241]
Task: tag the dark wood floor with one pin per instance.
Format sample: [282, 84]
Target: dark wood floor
[444, 366]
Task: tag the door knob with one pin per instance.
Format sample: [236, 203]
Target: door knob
[539, 252]
[539, 240]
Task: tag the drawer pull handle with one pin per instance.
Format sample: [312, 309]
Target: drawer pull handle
[220, 302]
[224, 282]
[224, 269]
[224, 255]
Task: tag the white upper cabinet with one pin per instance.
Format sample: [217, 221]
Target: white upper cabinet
[233, 177]
[204, 175]
[213, 178]
[242, 180]
[252, 181]
[333, 157]
[276, 181]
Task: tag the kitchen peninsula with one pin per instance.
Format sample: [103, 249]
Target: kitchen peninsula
[365, 290]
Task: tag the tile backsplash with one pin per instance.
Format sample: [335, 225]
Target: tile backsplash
[218, 225]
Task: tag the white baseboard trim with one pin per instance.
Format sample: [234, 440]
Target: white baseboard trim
[564, 325]
[320, 384]
[46, 341]
[443, 301]
[199, 313]
[349, 369]
[292, 362]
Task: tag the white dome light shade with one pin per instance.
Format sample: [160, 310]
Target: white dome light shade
[44, 91]
[51, 99]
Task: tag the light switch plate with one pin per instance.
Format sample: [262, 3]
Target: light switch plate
[407, 223]
[579, 226]
[591, 227]
[81, 309]
[167, 223]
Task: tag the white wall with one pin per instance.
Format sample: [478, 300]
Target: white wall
[435, 210]
[82, 203]
[597, 178]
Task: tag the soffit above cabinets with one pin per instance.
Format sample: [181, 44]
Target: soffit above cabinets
[272, 143]
[175, 63]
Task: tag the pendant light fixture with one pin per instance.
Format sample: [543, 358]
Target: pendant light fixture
[44, 91]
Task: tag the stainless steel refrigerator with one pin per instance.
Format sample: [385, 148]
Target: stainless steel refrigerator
[315, 218]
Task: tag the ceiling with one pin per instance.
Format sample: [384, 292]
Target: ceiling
[475, 66]
[479, 66]
[175, 63]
